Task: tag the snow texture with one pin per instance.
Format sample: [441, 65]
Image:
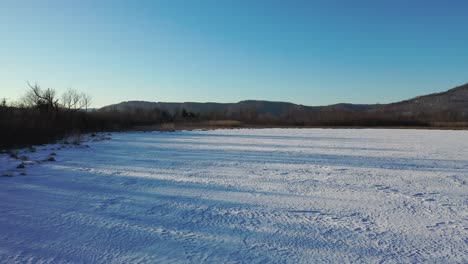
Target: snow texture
[240, 196]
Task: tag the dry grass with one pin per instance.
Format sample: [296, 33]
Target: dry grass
[167, 127]
[224, 123]
[449, 124]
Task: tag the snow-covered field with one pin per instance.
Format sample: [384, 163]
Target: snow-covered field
[249, 196]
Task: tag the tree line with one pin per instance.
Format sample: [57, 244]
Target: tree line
[44, 115]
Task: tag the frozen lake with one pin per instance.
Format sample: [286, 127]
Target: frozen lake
[249, 196]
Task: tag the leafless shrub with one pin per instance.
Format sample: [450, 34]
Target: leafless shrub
[7, 174]
[14, 154]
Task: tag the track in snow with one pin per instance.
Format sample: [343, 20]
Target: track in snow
[267, 195]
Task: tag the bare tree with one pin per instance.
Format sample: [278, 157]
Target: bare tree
[44, 99]
[72, 100]
[86, 101]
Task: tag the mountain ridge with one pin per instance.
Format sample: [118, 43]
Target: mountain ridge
[454, 100]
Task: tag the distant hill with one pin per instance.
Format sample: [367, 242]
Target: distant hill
[275, 108]
[455, 100]
[438, 106]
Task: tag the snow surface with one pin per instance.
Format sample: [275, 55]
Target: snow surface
[249, 196]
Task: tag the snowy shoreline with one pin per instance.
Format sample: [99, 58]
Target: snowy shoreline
[14, 162]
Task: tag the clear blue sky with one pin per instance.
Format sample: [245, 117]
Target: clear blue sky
[307, 52]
